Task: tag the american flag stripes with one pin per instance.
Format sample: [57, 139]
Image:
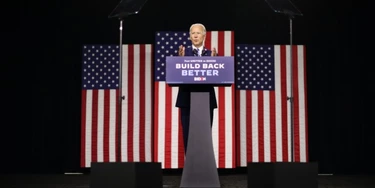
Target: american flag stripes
[263, 111]
[101, 140]
[251, 124]
[168, 142]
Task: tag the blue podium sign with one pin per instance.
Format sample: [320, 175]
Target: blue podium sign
[200, 70]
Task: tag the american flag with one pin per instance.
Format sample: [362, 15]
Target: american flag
[263, 110]
[101, 140]
[168, 142]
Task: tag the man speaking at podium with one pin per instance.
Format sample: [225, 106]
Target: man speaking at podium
[197, 36]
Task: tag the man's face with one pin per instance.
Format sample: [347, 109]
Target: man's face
[196, 36]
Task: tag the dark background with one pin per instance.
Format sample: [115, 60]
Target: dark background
[42, 59]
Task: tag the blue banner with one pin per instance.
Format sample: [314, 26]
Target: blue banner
[200, 70]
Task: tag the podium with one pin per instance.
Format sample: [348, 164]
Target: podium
[200, 170]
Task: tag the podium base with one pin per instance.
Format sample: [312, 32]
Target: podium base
[200, 169]
[125, 174]
[282, 175]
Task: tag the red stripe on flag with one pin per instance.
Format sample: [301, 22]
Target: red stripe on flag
[238, 129]
[83, 128]
[94, 129]
[106, 141]
[142, 97]
[156, 121]
[249, 129]
[284, 105]
[130, 110]
[273, 125]
[222, 107]
[168, 127]
[118, 131]
[261, 126]
[208, 39]
[221, 126]
[221, 43]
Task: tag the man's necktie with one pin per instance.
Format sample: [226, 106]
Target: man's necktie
[196, 52]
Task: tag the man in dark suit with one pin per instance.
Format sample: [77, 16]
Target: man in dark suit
[197, 37]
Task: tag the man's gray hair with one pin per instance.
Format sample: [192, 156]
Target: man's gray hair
[198, 24]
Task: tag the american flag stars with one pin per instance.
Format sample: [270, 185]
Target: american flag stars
[255, 67]
[100, 68]
[167, 44]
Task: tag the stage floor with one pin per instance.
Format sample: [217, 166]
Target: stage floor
[170, 181]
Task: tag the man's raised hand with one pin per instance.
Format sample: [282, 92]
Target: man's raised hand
[181, 51]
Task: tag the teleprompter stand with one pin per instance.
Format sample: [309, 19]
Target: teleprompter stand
[123, 9]
[125, 174]
[284, 174]
[287, 8]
